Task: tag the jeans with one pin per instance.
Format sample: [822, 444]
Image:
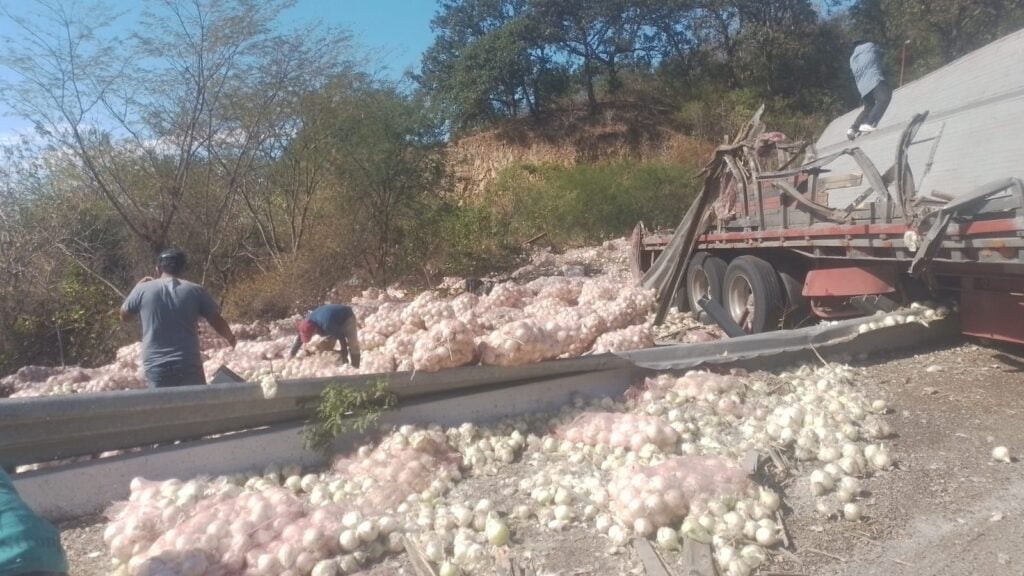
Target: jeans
[171, 375]
[875, 104]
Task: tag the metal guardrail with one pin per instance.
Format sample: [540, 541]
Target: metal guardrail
[40, 429]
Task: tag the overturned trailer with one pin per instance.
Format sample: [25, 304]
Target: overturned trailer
[929, 205]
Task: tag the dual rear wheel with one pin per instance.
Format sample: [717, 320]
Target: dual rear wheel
[748, 287]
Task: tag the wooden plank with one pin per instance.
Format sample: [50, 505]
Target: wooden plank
[419, 562]
[750, 462]
[783, 530]
[653, 564]
[836, 181]
[698, 559]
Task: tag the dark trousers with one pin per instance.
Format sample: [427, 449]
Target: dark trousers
[170, 375]
[875, 104]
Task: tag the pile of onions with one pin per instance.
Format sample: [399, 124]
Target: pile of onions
[447, 344]
[408, 463]
[75, 380]
[507, 295]
[426, 310]
[493, 317]
[692, 386]
[602, 290]
[648, 498]
[385, 321]
[566, 290]
[548, 317]
[624, 430]
[377, 362]
[630, 338]
[402, 342]
[520, 342]
[610, 465]
[464, 304]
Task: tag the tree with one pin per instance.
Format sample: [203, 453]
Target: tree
[169, 125]
[600, 35]
[939, 31]
[387, 162]
[488, 61]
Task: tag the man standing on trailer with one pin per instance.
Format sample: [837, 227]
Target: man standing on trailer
[866, 65]
[337, 324]
[169, 308]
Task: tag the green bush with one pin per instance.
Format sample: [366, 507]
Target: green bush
[589, 203]
[569, 206]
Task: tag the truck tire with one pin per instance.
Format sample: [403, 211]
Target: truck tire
[752, 294]
[798, 310]
[704, 275]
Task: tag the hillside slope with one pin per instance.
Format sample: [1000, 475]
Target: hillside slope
[567, 138]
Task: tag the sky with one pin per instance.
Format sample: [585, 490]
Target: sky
[395, 31]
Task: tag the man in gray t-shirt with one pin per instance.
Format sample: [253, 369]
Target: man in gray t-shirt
[169, 308]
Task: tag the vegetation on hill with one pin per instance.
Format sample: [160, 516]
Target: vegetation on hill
[282, 166]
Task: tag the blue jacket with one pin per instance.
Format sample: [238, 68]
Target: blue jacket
[866, 64]
[27, 542]
[330, 320]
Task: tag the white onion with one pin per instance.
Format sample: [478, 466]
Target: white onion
[496, 531]
[765, 536]
[348, 540]
[852, 511]
[1001, 454]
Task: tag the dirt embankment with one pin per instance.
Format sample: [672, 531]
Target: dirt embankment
[626, 132]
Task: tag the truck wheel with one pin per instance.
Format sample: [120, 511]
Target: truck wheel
[704, 277]
[753, 294]
[798, 309]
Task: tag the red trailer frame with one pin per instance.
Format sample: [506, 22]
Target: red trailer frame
[901, 245]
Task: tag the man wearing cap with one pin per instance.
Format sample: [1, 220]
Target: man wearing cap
[169, 308]
[336, 323]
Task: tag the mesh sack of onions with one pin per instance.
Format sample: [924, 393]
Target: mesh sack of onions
[491, 317]
[706, 393]
[629, 338]
[113, 380]
[129, 354]
[649, 497]
[402, 343]
[71, 380]
[629, 307]
[376, 362]
[426, 310]
[566, 334]
[151, 512]
[386, 320]
[517, 343]
[447, 344]
[370, 340]
[316, 366]
[371, 297]
[600, 290]
[25, 378]
[697, 385]
[507, 295]
[626, 430]
[588, 326]
[545, 307]
[284, 327]
[401, 465]
[566, 290]
[253, 331]
[464, 303]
